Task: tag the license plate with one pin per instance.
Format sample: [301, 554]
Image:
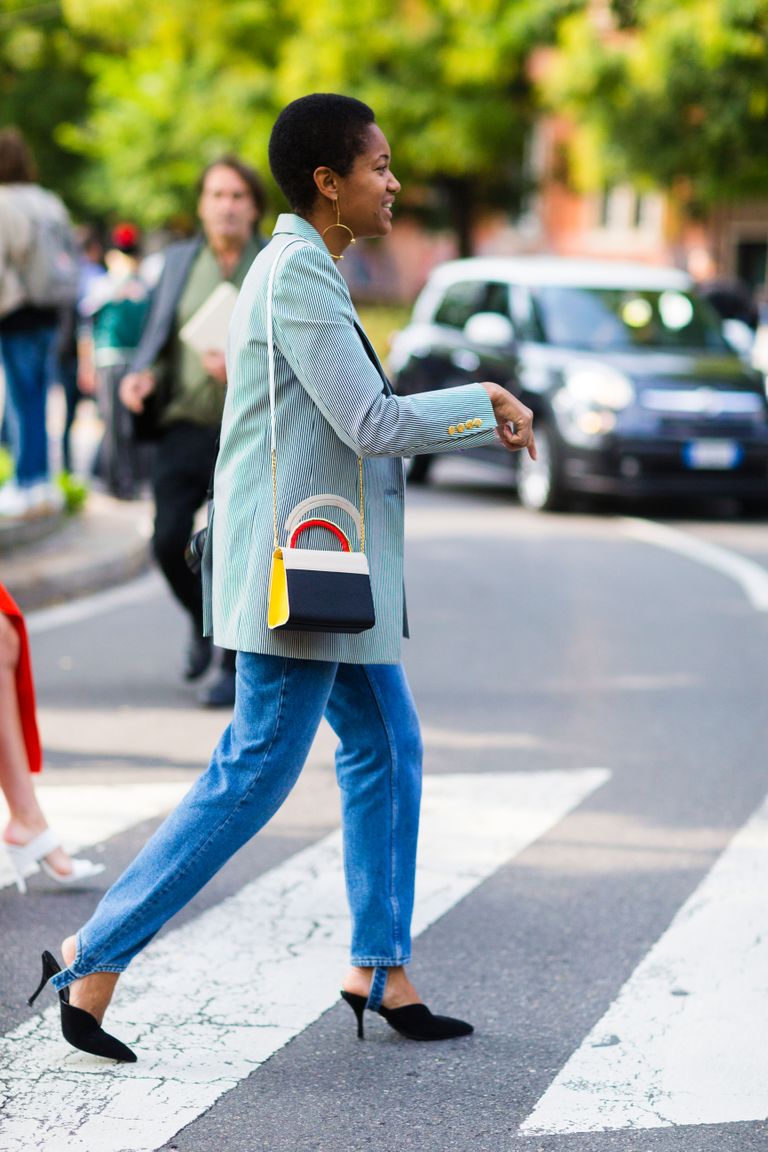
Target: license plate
[721, 454]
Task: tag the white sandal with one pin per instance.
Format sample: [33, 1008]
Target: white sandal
[24, 857]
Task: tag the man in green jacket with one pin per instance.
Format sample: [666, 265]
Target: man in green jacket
[178, 393]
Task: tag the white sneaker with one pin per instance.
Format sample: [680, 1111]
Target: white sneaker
[14, 501]
[45, 498]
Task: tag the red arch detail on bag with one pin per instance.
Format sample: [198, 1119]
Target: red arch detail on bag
[319, 523]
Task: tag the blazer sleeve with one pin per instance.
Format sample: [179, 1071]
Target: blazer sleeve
[165, 300]
[314, 329]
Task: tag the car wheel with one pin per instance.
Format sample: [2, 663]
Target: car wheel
[418, 469]
[539, 486]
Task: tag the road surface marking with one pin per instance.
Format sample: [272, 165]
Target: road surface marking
[686, 1041]
[751, 576]
[211, 1001]
[146, 587]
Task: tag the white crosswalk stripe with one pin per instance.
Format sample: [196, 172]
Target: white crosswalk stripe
[686, 1040]
[212, 1000]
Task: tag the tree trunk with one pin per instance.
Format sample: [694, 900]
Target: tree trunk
[460, 196]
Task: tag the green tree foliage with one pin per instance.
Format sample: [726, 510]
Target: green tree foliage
[448, 80]
[41, 83]
[174, 85]
[668, 95]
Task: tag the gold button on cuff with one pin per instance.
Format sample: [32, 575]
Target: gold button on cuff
[459, 427]
[478, 422]
[452, 430]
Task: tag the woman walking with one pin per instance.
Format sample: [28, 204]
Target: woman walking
[339, 430]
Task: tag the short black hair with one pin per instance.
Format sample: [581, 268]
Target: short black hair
[248, 175]
[321, 130]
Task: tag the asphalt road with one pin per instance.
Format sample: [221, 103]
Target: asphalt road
[618, 687]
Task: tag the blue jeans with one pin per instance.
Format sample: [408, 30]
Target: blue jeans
[279, 705]
[28, 356]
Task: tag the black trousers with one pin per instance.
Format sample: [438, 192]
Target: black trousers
[184, 459]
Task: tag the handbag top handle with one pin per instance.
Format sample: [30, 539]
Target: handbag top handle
[335, 500]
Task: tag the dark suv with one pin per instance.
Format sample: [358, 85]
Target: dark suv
[635, 389]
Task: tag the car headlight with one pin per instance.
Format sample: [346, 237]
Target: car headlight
[598, 386]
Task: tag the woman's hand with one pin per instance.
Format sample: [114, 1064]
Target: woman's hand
[215, 365]
[514, 421]
[135, 388]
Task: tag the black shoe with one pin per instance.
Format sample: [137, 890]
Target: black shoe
[414, 1021]
[79, 1028]
[220, 693]
[199, 654]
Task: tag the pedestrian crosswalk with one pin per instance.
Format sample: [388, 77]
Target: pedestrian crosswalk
[212, 1000]
[684, 1043]
[686, 1040]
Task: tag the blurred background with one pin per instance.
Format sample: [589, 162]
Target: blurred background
[620, 128]
[616, 129]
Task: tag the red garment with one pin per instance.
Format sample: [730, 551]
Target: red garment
[25, 689]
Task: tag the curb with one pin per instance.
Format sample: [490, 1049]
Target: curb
[15, 534]
[103, 546]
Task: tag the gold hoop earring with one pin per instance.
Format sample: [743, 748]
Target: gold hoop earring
[338, 224]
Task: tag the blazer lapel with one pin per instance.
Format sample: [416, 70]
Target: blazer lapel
[373, 358]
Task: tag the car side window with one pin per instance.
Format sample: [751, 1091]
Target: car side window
[460, 301]
[497, 300]
[523, 313]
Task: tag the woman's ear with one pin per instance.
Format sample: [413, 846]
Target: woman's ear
[325, 182]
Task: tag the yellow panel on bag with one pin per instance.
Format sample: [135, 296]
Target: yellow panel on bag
[277, 613]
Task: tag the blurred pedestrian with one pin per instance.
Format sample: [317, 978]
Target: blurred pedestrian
[27, 838]
[337, 425]
[92, 266]
[38, 277]
[91, 269]
[178, 395]
[117, 307]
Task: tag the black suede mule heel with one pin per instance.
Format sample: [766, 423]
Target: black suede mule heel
[78, 1027]
[414, 1021]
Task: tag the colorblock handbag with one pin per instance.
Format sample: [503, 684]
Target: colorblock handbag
[315, 590]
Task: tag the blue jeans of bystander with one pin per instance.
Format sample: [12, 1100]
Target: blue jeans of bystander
[28, 356]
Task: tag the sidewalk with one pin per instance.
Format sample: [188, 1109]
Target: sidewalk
[58, 558]
[53, 559]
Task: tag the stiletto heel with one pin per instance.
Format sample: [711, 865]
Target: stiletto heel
[357, 1004]
[80, 1028]
[50, 968]
[414, 1021]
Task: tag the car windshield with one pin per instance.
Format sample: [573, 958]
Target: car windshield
[617, 318]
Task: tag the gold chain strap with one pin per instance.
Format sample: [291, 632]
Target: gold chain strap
[362, 506]
[362, 500]
[272, 410]
[274, 493]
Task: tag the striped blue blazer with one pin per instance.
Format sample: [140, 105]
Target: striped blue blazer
[333, 405]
